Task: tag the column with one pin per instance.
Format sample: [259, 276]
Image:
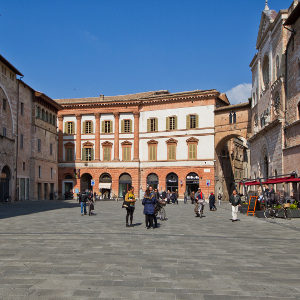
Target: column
[116, 140]
[136, 155]
[97, 136]
[78, 137]
[60, 138]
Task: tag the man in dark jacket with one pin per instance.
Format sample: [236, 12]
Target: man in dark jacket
[235, 201]
[212, 201]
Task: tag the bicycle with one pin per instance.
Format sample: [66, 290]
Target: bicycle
[275, 211]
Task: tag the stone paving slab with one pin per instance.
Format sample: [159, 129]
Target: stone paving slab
[49, 251]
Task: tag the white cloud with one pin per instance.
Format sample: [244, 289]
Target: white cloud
[239, 93]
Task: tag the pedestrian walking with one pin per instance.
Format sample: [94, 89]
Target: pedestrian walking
[156, 195]
[130, 203]
[212, 201]
[185, 196]
[200, 201]
[91, 205]
[235, 201]
[84, 199]
[174, 198]
[219, 198]
[192, 197]
[149, 202]
[168, 197]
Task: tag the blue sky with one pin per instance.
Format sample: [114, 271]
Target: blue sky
[84, 48]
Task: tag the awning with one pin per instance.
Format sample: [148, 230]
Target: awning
[251, 183]
[105, 185]
[272, 181]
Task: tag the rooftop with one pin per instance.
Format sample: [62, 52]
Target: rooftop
[9, 65]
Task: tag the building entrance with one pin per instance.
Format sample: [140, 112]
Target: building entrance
[172, 182]
[105, 182]
[85, 182]
[4, 184]
[152, 180]
[125, 183]
[192, 183]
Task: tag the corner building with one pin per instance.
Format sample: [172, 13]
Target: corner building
[153, 138]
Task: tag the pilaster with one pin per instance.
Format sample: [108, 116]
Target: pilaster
[116, 139]
[97, 137]
[78, 137]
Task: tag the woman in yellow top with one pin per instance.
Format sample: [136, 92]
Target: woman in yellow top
[130, 202]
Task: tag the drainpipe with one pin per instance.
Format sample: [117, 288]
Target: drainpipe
[17, 140]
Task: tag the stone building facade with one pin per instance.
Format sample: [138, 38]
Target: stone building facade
[291, 150]
[154, 138]
[268, 95]
[26, 173]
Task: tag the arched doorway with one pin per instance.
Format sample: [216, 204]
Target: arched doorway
[172, 182]
[152, 180]
[5, 177]
[68, 185]
[125, 183]
[85, 182]
[192, 182]
[105, 185]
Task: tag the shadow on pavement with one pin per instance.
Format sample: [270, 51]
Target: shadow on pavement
[14, 209]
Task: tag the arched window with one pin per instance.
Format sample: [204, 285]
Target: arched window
[277, 102]
[265, 71]
[152, 180]
[38, 112]
[50, 118]
[230, 118]
[46, 116]
[43, 115]
[234, 117]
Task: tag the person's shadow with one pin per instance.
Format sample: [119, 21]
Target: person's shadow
[136, 224]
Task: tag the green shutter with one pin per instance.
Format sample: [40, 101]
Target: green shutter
[156, 124]
[188, 123]
[111, 127]
[73, 127]
[167, 123]
[83, 154]
[92, 153]
[122, 126]
[148, 125]
[197, 121]
[66, 127]
[83, 129]
[103, 127]
[175, 122]
[130, 126]
[92, 127]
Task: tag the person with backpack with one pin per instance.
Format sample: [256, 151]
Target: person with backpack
[149, 203]
[235, 201]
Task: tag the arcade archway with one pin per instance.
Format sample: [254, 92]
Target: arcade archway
[125, 182]
[152, 180]
[5, 178]
[105, 182]
[86, 182]
[172, 182]
[192, 183]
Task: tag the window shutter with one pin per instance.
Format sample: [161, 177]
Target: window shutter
[66, 127]
[83, 154]
[188, 123]
[73, 127]
[83, 131]
[102, 127]
[92, 127]
[197, 121]
[122, 126]
[111, 126]
[92, 153]
[130, 126]
[156, 124]
[167, 123]
[175, 122]
[148, 125]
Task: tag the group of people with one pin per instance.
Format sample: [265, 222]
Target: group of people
[152, 202]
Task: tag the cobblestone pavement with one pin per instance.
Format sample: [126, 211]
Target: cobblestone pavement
[49, 251]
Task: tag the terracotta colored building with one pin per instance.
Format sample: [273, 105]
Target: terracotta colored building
[154, 138]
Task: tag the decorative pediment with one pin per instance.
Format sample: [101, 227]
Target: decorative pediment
[88, 144]
[107, 144]
[126, 143]
[192, 140]
[171, 141]
[152, 142]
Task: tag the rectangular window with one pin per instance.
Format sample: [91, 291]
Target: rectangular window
[4, 104]
[23, 166]
[69, 154]
[172, 124]
[38, 112]
[192, 148]
[106, 153]
[21, 141]
[51, 149]
[22, 108]
[69, 128]
[127, 126]
[172, 152]
[88, 127]
[107, 127]
[193, 121]
[88, 154]
[4, 131]
[153, 125]
[40, 172]
[39, 145]
[152, 152]
[51, 173]
[126, 153]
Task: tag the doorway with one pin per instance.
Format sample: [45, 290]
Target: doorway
[192, 183]
[125, 183]
[172, 182]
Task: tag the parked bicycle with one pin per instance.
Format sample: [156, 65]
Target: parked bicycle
[276, 210]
